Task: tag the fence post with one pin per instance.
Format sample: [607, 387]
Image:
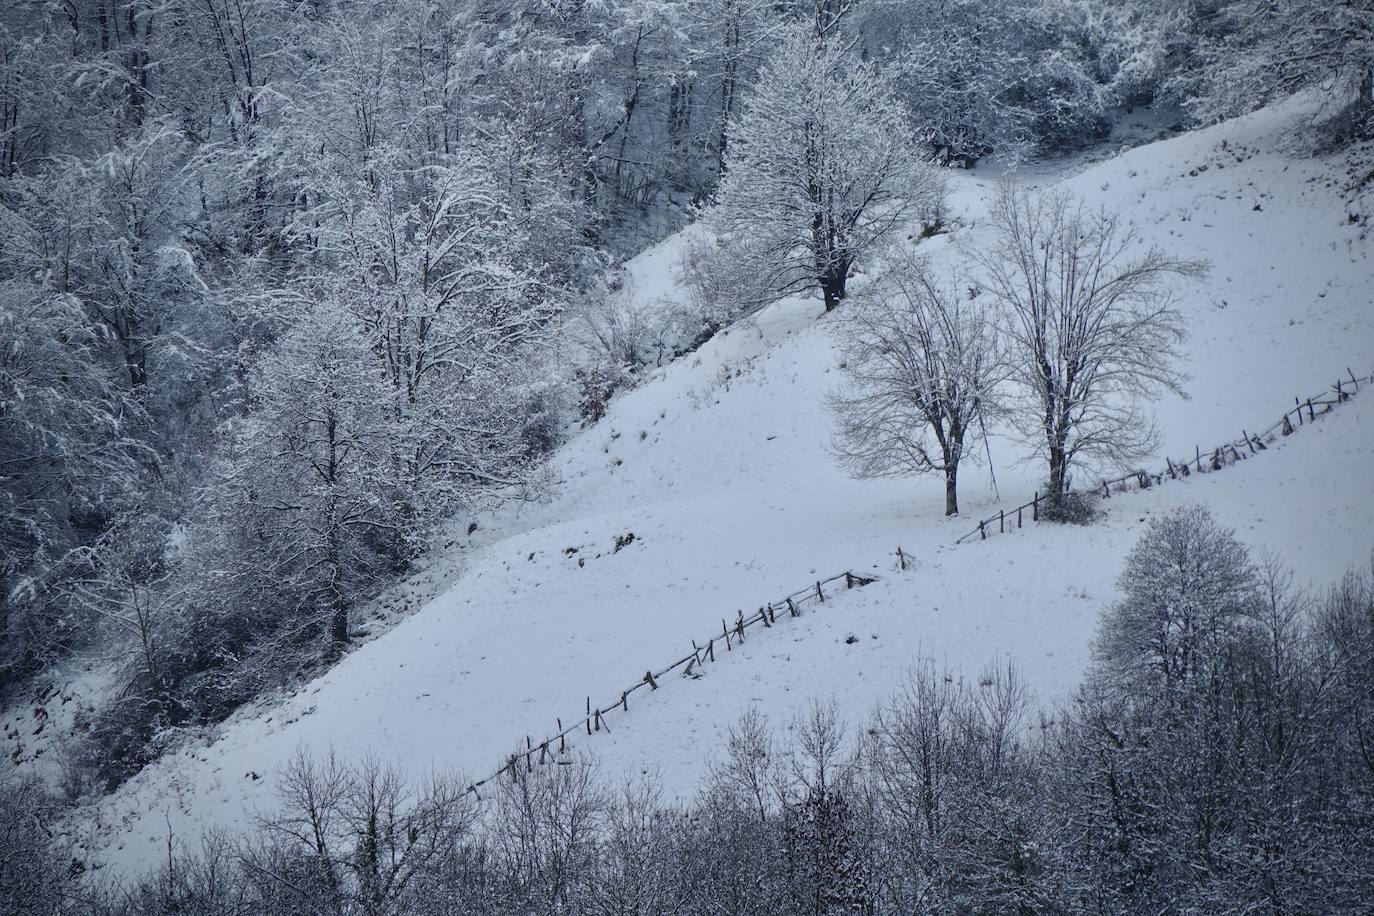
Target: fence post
[1287, 427]
[1248, 441]
[711, 649]
[589, 715]
[901, 558]
[1001, 522]
[739, 626]
[1170, 463]
[820, 595]
[848, 579]
[562, 740]
[982, 534]
[1354, 383]
[1340, 392]
[1018, 515]
[1035, 507]
[1198, 450]
[1106, 490]
[725, 631]
[1311, 414]
[648, 679]
[1298, 410]
[791, 609]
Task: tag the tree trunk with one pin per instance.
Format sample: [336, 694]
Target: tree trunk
[1058, 471]
[951, 489]
[338, 621]
[833, 285]
[1364, 106]
[727, 94]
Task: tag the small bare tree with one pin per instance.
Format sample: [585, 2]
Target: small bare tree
[922, 361]
[1092, 318]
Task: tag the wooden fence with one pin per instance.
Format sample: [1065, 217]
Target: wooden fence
[732, 633]
[1201, 462]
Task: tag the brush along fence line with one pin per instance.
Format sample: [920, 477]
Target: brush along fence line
[731, 634]
[1228, 453]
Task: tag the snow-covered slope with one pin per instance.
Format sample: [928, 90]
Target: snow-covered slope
[719, 467]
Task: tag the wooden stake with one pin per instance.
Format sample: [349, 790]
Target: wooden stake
[1035, 507]
[820, 595]
[982, 535]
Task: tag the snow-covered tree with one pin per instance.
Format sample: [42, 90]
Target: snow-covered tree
[437, 266]
[70, 460]
[1092, 323]
[1188, 588]
[922, 362]
[1278, 47]
[312, 486]
[1010, 78]
[821, 170]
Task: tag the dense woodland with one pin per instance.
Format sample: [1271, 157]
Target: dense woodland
[290, 289]
[1216, 759]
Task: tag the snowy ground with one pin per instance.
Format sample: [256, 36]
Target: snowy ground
[718, 466]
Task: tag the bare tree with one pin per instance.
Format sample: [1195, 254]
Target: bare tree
[922, 361]
[544, 833]
[1093, 323]
[955, 786]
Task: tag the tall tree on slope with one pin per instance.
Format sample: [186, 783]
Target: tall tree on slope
[1093, 325]
[922, 362]
[822, 170]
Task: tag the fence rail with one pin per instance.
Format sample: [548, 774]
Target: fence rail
[1221, 456]
[731, 635]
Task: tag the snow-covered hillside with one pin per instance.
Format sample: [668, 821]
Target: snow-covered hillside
[718, 465]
